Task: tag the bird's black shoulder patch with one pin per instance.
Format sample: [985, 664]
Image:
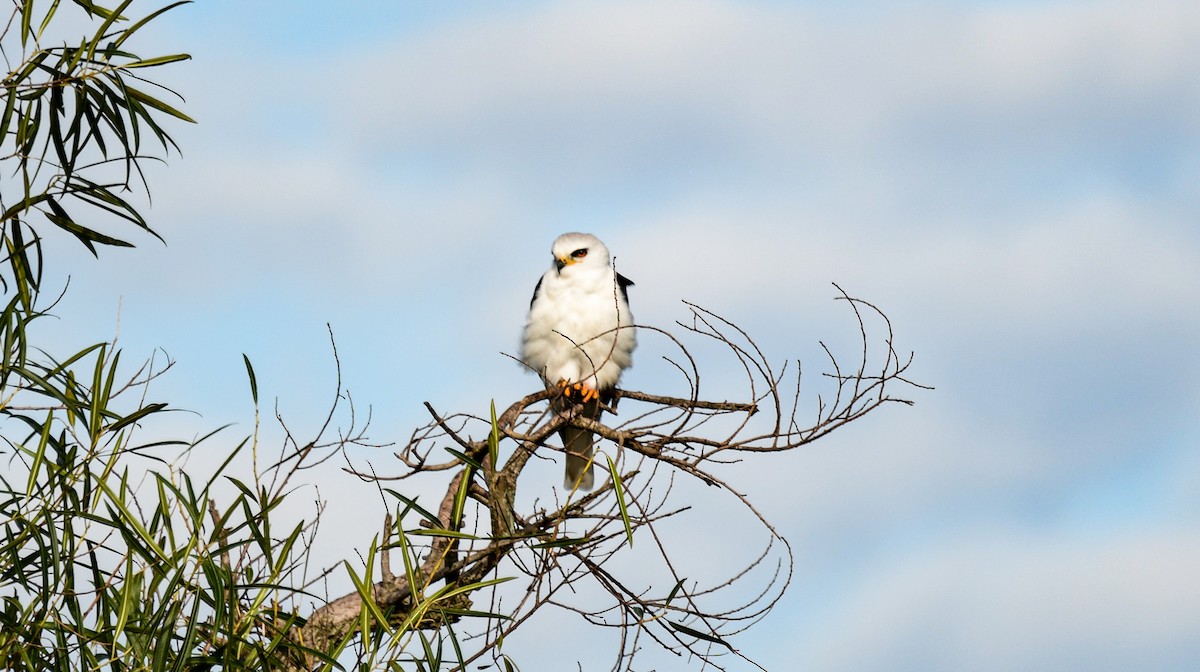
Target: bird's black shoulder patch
[624, 283]
[536, 289]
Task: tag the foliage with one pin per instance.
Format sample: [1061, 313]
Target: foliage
[73, 131]
[109, 555]
[106, 557]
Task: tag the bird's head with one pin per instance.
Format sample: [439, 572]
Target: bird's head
[579, 249]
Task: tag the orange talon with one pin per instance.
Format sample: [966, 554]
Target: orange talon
[586, 393]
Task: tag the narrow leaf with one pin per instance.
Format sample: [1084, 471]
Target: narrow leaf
[460, 500]
[253, 380]
[412, 504]
[128, 32]
[465, 459]
[135, 416]
[157, 60]
[147, 99]
[449, 534]
[39, 456]
[494, 440]
[562, 542]
[700, 635]
[674, 591]
[620, 490]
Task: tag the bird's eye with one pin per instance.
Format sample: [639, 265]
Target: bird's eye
[580, 253]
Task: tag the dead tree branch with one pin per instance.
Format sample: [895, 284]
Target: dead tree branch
[568, 546]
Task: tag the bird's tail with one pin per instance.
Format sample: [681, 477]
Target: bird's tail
[578, 445]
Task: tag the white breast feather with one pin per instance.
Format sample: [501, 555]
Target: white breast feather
[572, 331]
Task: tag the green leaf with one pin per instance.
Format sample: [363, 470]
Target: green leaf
[157, 60]
[699, 635]
[62, 220]
[46, 19]
[460, 499]
[452, 590]
[39, 456]
[62, 366]
[674, 591]
[101, 195]
[135, 416]
[98, 400]
[474, 613]
[147, 99]
[102, 31]
[92, 8]
[494, 440]
[367, 594]
[561, 542]
[620, 490]
[473, 463]
[131, 585]
[26, 21]
[411, 503]
[128, 32]
[127, 516]
[253, 380]
[410, 571]
[449, 534]
[23, 276]
[10, 105]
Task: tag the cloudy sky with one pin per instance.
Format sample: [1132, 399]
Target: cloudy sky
[1013, 182]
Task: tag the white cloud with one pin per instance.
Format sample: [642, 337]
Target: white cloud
[593, 86]
[801, 145]
[1020, 601]
[1089, 265]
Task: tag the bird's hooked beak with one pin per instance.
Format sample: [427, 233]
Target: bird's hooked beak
[562, 262]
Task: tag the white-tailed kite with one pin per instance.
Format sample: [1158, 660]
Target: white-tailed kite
[580, 338]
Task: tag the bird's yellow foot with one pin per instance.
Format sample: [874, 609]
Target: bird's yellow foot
[585, 392]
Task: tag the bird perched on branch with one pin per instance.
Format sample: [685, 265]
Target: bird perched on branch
[580, 338]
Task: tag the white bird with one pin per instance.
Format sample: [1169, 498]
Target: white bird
[580, 338]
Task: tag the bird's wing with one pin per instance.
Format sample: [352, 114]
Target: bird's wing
[623, 283]
[537, 288]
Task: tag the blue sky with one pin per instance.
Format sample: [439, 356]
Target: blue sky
[1013, 182]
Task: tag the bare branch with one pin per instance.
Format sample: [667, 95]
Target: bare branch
[560, 544]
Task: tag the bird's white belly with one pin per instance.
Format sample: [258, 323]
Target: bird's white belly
[572, 335]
